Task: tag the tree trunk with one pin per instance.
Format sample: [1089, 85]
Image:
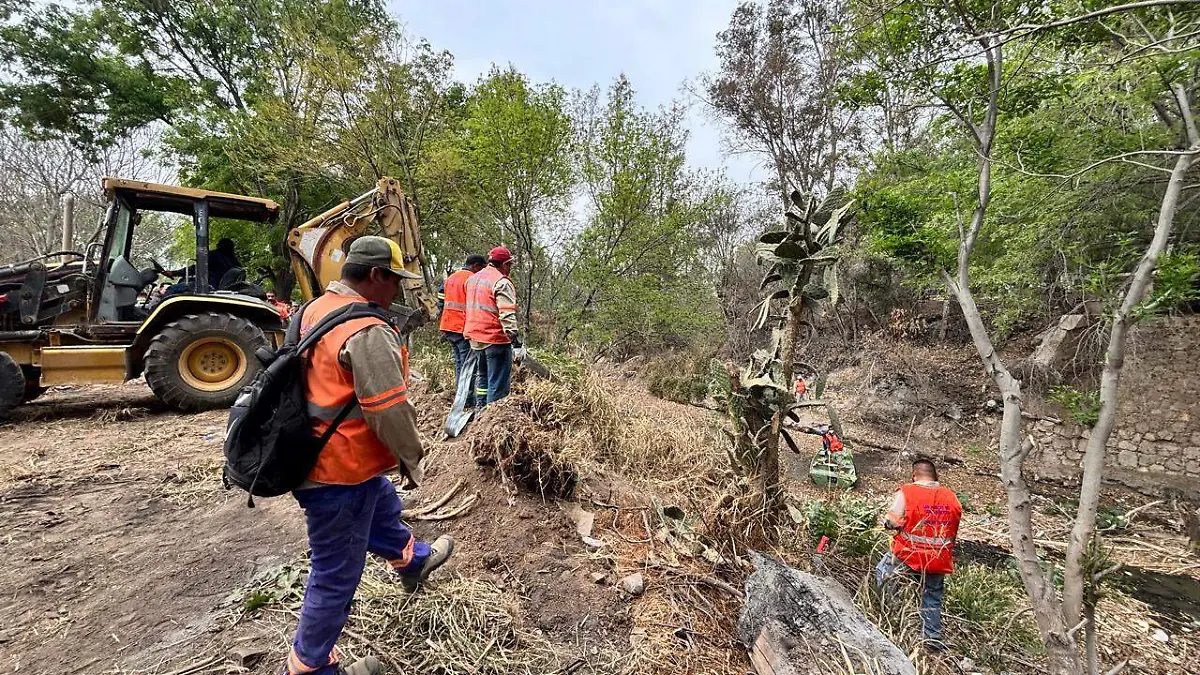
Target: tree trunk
[1092, 640]
[945, 325]
[1062, 654]
[1074, 576]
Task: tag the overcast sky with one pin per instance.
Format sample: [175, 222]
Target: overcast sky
[658, 44]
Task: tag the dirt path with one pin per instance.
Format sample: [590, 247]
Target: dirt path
[121, 549]
[117, 533]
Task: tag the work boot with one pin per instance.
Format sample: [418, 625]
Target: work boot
[368, 665]
[439, 553]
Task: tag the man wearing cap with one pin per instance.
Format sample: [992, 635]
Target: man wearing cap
[452, 304]
[491, 326]
[350, 506]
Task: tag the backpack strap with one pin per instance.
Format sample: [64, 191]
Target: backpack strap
[357, 310]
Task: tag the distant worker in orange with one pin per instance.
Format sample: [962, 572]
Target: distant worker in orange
[491, 326]
[452, 304]
[925, 516]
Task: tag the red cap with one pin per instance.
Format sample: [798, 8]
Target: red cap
[499, 254]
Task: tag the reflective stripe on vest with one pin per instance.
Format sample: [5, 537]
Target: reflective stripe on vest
[483, 316]
[354, 454]
[931, 519]
[927, 541]
[454, 306]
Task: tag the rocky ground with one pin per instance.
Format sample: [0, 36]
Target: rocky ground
[122, 553]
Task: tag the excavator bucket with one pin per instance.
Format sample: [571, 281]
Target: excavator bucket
[319, 246]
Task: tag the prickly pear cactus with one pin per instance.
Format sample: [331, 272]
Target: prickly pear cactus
[801, 260]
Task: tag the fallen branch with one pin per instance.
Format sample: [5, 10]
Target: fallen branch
[439, 503]
[199, 665]
[446, 515]
[720, 586]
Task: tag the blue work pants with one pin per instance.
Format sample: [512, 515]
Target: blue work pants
[933, 589]
[493, 373]
[344, 523]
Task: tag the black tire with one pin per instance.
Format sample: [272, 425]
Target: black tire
[33, 387]
[202, 361]
[12, 385]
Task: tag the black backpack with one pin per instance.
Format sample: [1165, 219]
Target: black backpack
[269, 445]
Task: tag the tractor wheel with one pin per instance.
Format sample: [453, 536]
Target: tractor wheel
[202, 361]
[12, 384]
[33, 387]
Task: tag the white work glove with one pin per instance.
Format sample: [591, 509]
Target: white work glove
[519, 354]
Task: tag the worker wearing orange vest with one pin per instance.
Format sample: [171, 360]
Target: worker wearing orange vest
[452, 304]
[491, 326]
[350, 506]
[925, 516]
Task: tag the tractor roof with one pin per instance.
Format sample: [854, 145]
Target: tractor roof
[175, 199]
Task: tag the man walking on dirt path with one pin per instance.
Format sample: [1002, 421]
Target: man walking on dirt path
[452, 304]
[925, 516]
[491, 326]
[350, 506]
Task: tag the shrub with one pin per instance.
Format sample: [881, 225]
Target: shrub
[848, 520]
[435, 363]
[981, 606]
[1082, 406]
[682, 378]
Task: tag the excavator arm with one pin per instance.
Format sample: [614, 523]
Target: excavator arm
[318, 247]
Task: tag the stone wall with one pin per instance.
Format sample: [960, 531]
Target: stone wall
[1156, 442]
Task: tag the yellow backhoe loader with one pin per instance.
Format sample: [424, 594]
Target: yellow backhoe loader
[83, 321]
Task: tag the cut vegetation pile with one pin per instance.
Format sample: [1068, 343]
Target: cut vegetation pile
[527, 452]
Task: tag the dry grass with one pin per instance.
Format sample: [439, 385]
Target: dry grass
[194, 484]
[525, 451]
[453, 626]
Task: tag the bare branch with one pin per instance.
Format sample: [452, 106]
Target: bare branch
[1024, 30]
[1099, 163]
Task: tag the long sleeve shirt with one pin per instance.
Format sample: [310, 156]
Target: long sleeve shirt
[506, 304]
[373, 357]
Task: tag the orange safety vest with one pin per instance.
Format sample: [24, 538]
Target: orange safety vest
[483, 316]
[454, 308]
[931, 517]
[354, 453]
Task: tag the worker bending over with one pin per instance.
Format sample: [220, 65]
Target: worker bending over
[452, 303]
[925, 516]
[491, 326]
[349, 504]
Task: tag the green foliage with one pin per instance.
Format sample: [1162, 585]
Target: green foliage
[984, 603]
[1082, 406]
[639, 281]
[1053, 236]
[848, 520]
[562, 364]
[678, 377]
[282, 585]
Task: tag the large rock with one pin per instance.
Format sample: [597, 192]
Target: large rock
[1060, 342]
[796, 623]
